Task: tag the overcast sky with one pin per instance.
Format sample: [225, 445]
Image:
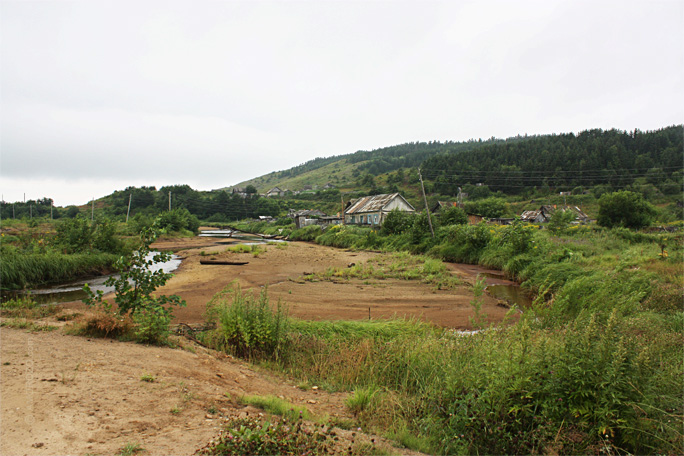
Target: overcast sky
[96, 96]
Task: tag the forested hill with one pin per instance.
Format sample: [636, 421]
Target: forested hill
[613, 158]
[594, 157]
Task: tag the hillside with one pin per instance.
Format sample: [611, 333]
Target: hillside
[593, 157]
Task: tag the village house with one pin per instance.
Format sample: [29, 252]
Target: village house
[372, 210]
[544, 213]
[275, 191]
[306, 217]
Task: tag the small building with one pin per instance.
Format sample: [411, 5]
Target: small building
[372, 210]
[544, 213]
[443, 205]
[306, 217]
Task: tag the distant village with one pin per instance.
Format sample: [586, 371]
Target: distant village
[372, 210]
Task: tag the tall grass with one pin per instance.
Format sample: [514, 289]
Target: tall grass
[608, 380]
[22, 270]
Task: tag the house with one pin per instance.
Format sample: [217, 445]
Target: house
[372, 210]
[544, 213]
[275, 191]
[306, 217]
[442, 205]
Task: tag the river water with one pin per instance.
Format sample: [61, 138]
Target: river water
[73, 291]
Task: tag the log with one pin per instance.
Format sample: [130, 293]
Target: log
[233, 263]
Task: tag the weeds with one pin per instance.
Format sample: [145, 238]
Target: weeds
[248, 327]
[149, 378]
[130, 449]
[243, 436]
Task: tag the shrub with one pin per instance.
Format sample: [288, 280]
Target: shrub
[626, 209]
[152, 324]
[453, 216]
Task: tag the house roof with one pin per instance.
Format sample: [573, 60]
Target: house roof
[547, 210]
[373, 203]
[305, 212]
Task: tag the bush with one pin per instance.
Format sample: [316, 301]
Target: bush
[152, 324]
[453, 216]
[625, 209]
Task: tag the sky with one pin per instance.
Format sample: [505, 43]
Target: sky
[96, 96]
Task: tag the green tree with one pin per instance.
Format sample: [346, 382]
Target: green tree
[134, 287]
[624, 209]
[453, 216]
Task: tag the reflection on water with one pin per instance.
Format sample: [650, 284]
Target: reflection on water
[511, 294]
[73, 291]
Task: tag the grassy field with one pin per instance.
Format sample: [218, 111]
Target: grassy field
[594, 367]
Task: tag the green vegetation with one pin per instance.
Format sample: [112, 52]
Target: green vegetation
[58, 252]
[593, 366]
[134, 287]
[277, 406]
[248, 326]
[396, 266]
[626, 209]
[26, 307]
[130, 449]
[243, 436]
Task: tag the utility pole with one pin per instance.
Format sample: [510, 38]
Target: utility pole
[130, 197]
[342, 213]
[31, 211]
[427, 209]
[169, 200]
[50, 209]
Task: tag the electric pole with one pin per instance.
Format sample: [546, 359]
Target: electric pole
[130, 197]
[427, 209]
[169, 201]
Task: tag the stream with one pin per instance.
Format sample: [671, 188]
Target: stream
[73, 291]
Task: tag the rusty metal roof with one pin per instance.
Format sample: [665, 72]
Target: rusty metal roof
[372, 203]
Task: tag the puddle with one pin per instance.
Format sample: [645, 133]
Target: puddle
[511, 294]
[73, 291]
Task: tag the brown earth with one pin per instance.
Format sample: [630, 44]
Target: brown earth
[63, 394]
